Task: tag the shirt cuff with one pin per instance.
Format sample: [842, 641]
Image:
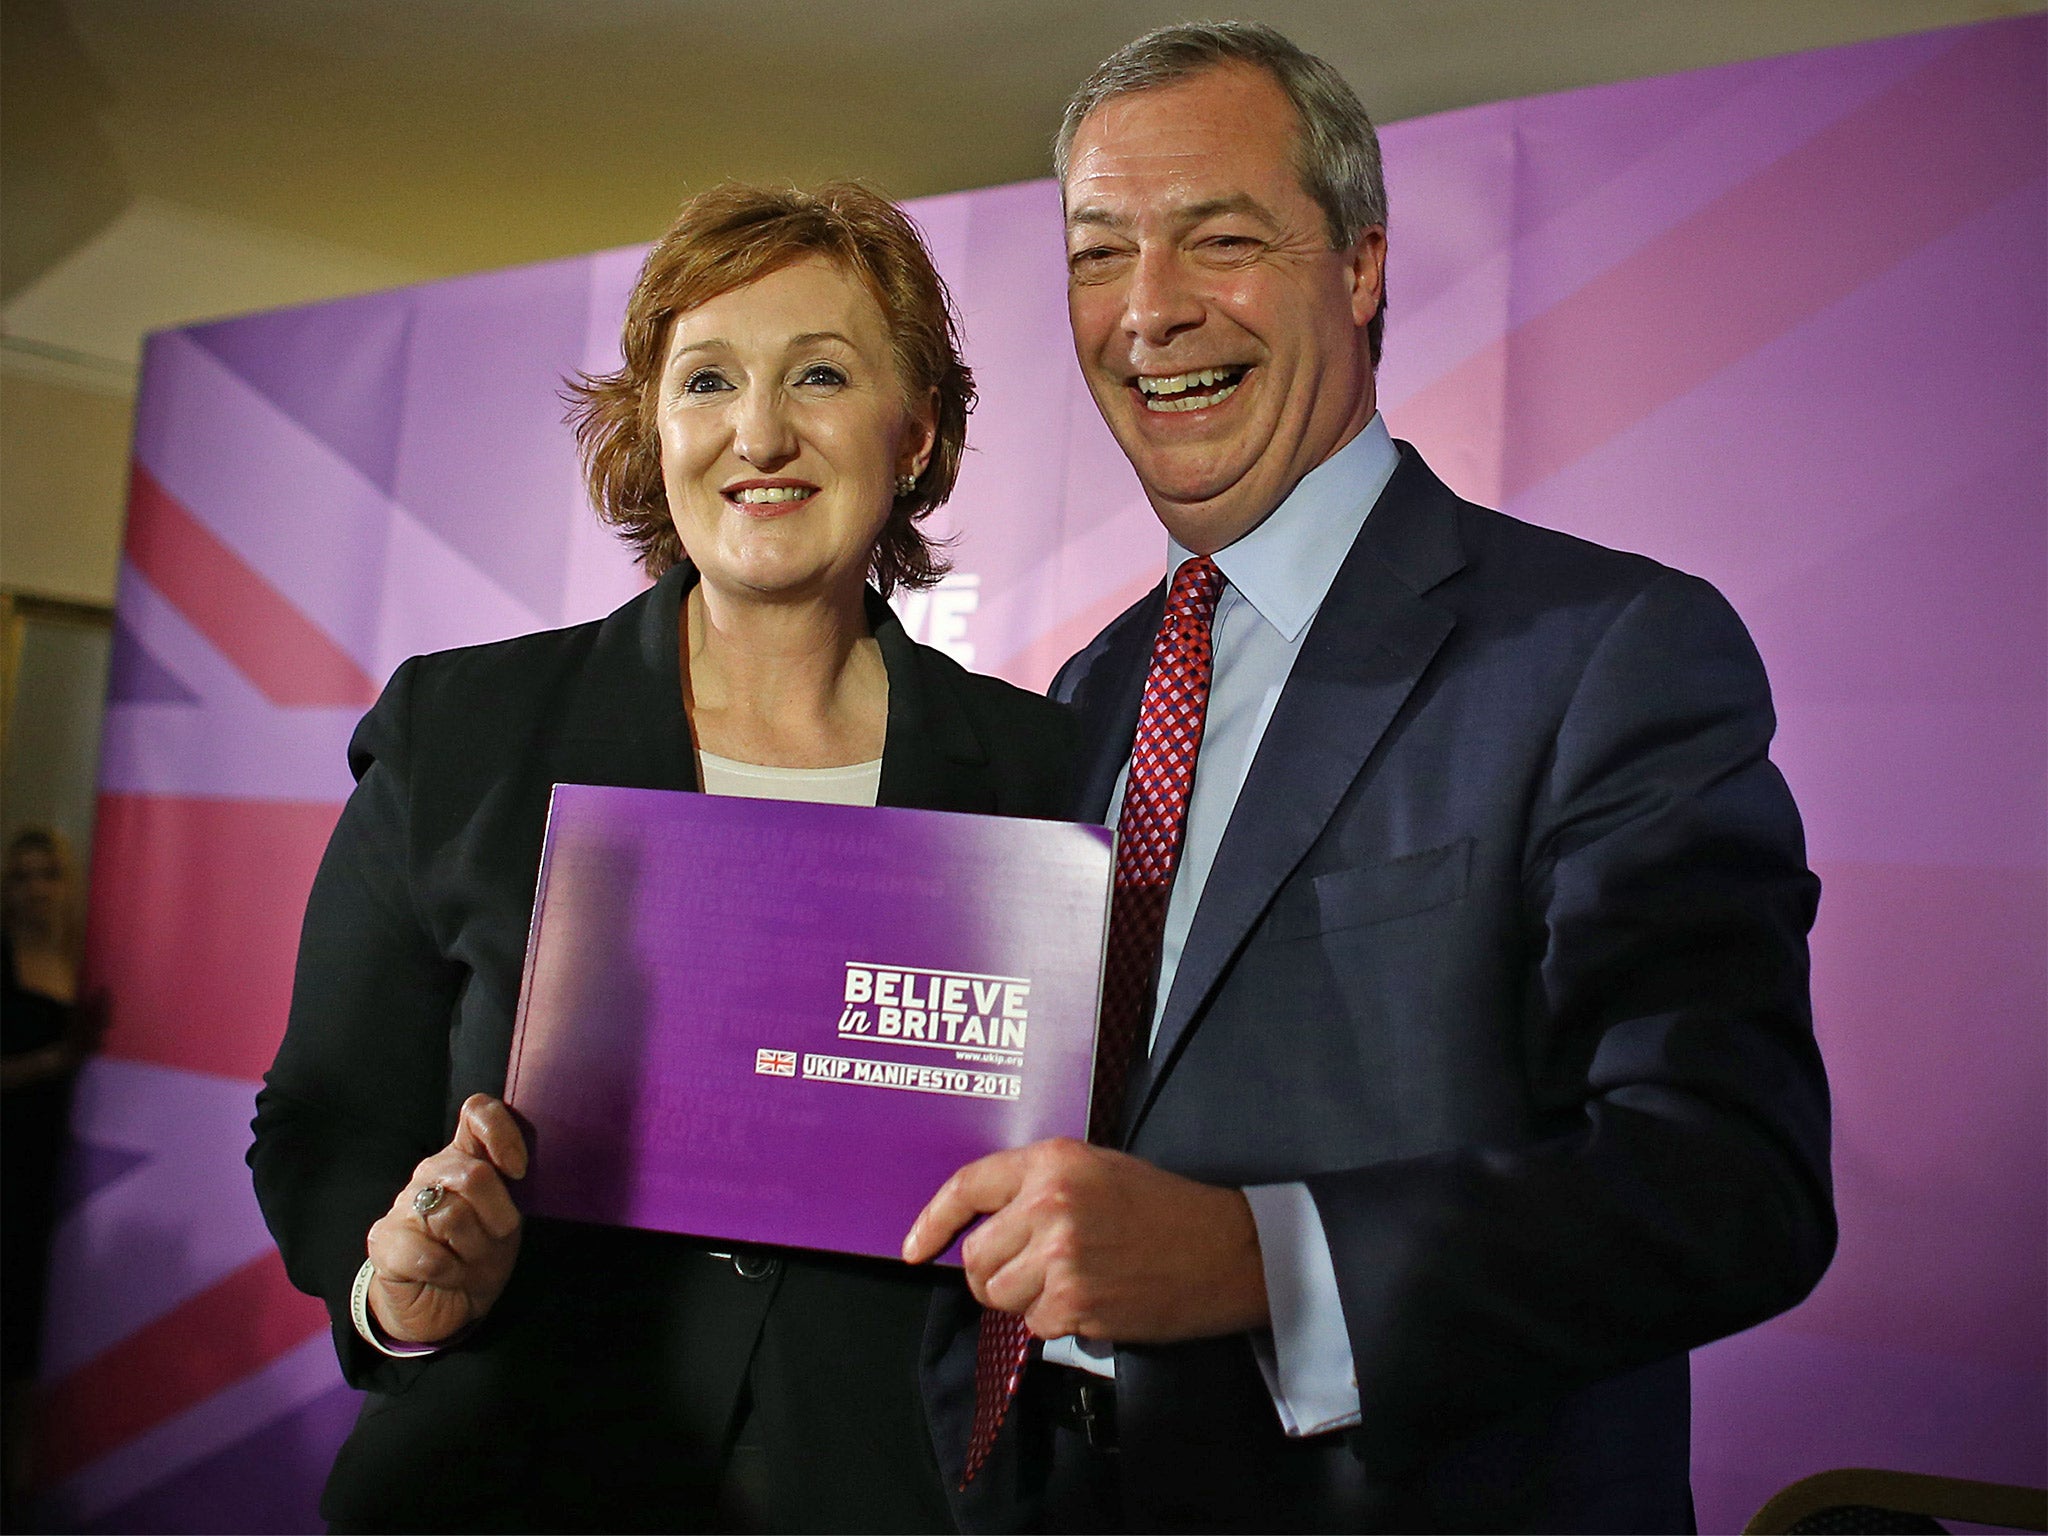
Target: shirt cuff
[1306, 1359]
[1091, 1355]
[368, 1331]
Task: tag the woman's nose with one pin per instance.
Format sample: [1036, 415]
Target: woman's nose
[762, 434]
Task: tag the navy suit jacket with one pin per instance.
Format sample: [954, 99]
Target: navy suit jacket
[1504, 954]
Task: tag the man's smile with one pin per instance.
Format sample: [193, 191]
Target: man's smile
[1204, 387]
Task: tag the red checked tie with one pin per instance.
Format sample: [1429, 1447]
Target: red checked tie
[1148, 833]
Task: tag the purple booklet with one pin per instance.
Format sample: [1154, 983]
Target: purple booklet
[767, 1021]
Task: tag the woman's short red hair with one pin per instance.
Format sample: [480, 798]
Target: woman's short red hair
[724, 239]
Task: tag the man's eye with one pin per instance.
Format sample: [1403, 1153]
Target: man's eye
[1094, 259]
[705, 381]
[821, 376]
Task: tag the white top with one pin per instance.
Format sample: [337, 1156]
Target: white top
[855, 784]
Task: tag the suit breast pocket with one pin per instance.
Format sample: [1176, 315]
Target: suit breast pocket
[1366, 894]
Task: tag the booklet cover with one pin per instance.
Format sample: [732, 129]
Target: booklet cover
[767, 1021]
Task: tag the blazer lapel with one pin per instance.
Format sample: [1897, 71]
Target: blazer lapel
[624, 724]
[932, 759]
[1371, 641]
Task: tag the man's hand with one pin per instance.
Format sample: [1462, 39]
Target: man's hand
[1081, 1239]
[441, 1269]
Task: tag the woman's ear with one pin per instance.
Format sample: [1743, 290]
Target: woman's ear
[922, 438]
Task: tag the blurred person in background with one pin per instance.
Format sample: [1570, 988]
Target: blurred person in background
[45, 1034]
[791, 404]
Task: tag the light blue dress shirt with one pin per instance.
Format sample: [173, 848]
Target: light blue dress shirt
[1277, 575]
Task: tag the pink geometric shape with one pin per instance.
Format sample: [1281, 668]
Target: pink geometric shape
[195, 925]
[1820, 222]
[269, 641]
[219, 1336]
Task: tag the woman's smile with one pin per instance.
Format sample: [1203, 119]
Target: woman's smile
[769, 498]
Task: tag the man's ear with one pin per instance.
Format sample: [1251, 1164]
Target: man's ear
[1367, 263]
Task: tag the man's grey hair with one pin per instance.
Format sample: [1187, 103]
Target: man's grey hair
[1337, 153]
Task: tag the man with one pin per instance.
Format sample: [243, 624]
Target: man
[1473, 1079]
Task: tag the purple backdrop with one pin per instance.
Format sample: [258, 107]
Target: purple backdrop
[1780, 323]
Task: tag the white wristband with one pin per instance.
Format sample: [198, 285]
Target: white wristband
[366, 1327]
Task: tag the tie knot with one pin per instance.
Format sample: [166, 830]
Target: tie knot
[1196, 587]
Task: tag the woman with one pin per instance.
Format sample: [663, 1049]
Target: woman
[791, 404]
[44, 1036]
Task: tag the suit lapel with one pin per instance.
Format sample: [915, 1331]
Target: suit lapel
[1370, 643]
[1109, 700]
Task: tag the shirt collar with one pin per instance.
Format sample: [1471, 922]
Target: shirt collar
[1284, 567]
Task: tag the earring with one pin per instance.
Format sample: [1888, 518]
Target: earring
[905, 484]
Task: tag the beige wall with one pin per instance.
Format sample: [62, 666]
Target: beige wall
[63, 487]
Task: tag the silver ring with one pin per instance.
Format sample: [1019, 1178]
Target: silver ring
[427, 1199]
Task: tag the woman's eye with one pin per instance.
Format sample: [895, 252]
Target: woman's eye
[821, 376]
[705, 381]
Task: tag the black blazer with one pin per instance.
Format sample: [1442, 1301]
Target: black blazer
[1504, 954]
[601, 1391]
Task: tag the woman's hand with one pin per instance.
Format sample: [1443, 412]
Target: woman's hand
[442, 1268]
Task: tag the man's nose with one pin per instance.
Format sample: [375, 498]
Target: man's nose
[762, 434]
[1160, 302]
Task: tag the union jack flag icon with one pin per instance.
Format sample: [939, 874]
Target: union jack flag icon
[775, 1063]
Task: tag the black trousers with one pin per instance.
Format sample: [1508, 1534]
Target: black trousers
[831, 1433]
[586, 1415]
